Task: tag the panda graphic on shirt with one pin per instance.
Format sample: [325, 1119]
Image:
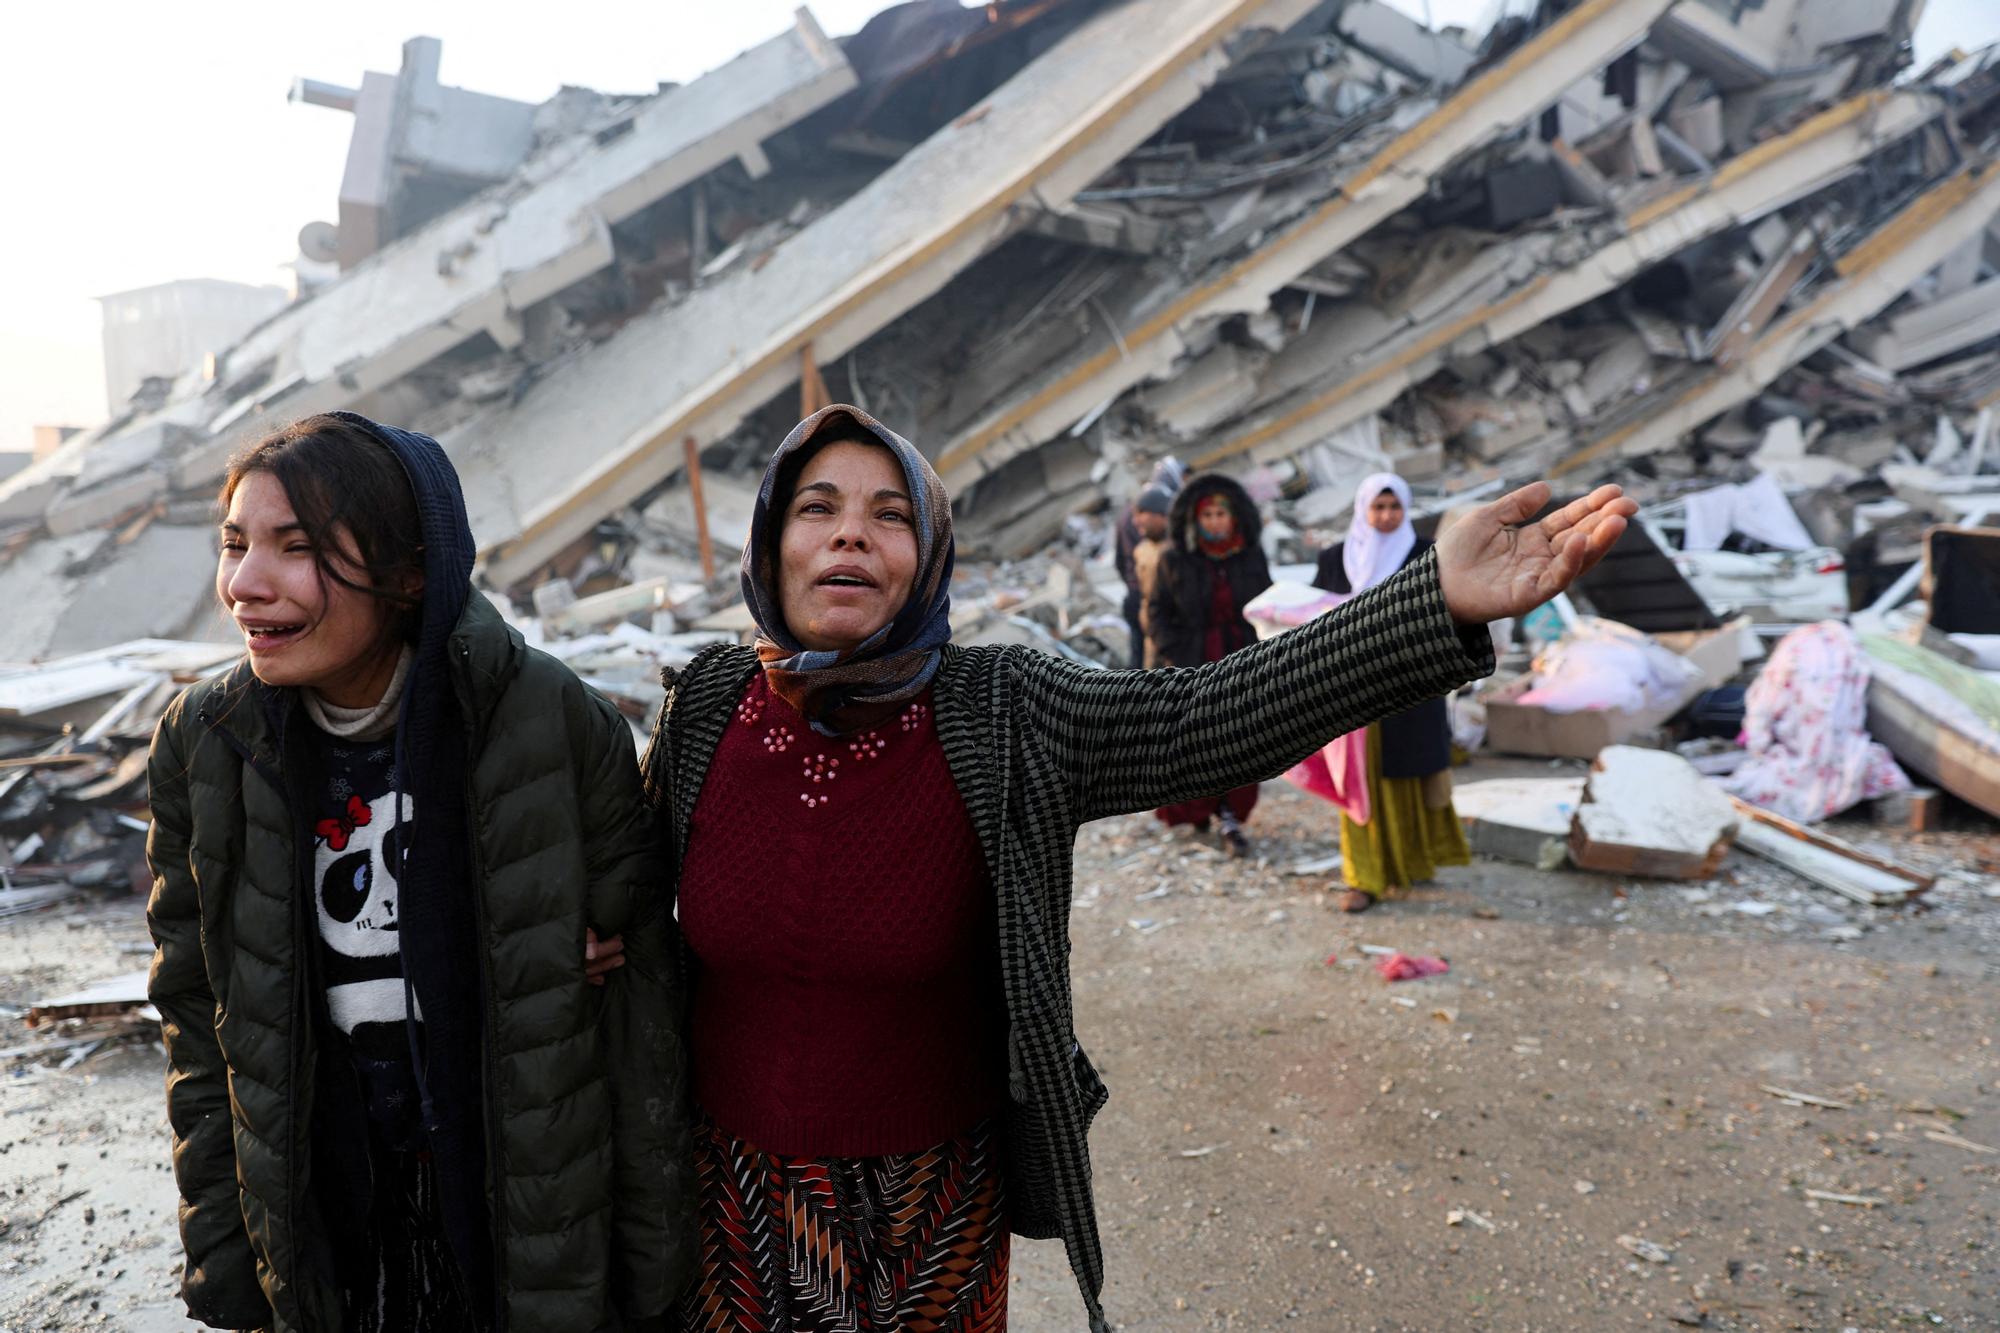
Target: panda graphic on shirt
[358, 854]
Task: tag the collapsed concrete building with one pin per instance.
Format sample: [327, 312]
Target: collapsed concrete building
[1052, 240]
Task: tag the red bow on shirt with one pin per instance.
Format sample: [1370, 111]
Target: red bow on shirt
[339, 829]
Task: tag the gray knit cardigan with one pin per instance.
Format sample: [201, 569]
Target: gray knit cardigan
[1040, 746]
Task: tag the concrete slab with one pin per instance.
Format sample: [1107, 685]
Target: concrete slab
[1520, 819]
[81, 510]
[516, 244]
[127, 452]
[1147, 337]
[1868, 277]
[37, 591]
[1649, 813]
[162, 586]
[597, 434]
[1815, 154]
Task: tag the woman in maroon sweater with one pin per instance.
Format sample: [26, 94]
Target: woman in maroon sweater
[873, 832]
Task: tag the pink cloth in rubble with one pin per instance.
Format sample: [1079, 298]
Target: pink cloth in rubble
[1402, 967]
[1337, 772]
[1805, 725]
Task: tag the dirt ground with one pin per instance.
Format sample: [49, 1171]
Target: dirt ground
[1293, 1142]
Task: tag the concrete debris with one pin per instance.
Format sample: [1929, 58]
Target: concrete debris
[74, 735]
[1741, 262]
[1520, 819]
[1646, 1249]
[1828, 863]
[1649, 813]
[107, 999]
[1309, 238]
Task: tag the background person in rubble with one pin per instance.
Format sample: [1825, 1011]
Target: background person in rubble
[1211, 569]
[871, 831]
[396, 1102]
[1411, 828]
[1140, 533]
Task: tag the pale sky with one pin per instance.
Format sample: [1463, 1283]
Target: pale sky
[147, 142]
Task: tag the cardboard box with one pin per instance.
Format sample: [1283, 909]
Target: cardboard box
[1516, 728]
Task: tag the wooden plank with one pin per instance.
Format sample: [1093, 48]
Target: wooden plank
[1829, 870]
[1827, 842]
[117, 995]
[703, 541]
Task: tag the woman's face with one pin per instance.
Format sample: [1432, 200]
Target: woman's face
[1217, 519]
[1385, 512]
[847, 554]
[303, 630]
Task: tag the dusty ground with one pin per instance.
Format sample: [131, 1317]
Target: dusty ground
[1289, 1135]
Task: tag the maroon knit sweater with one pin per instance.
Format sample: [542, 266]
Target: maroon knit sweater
[847, 998]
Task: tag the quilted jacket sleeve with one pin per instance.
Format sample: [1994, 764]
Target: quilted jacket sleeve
[653, 1210]
[219, 1279]
[1135, 740]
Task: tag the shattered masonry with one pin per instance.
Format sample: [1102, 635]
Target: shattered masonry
[1283, 238]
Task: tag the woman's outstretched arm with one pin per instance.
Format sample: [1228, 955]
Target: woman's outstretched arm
[1131, 741]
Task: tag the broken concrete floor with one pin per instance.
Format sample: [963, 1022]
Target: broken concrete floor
[1287, 1138]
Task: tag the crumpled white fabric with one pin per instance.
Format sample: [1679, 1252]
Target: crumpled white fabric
[1805, 725]
[1284, 606]
[1756, 509]
[1603, 664]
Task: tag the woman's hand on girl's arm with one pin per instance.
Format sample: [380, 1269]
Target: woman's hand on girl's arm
[601, 957]
[1494, 563]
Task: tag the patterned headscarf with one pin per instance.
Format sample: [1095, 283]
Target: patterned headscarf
[840, 693]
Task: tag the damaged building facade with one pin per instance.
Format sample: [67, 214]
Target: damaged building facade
[1668, 244]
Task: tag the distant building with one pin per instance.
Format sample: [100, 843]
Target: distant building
[48, 439]
[12, 461]
[159, 332]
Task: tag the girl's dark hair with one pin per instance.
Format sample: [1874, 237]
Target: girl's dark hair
[337, 475]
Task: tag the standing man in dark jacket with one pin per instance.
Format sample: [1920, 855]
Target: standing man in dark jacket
[381, 846]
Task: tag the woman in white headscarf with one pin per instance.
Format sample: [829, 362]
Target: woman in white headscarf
[1411, 828]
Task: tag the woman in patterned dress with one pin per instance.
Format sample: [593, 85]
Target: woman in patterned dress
[869, 835]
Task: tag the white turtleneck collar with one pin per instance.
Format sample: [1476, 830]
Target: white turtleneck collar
[361, 724]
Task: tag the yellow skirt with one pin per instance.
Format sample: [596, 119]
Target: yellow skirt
[1405, 839]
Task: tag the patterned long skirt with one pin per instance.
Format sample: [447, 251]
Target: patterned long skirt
[911, 1243]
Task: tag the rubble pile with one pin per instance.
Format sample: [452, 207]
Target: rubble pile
[74, 735]
[1738, 259]
[1629, 239]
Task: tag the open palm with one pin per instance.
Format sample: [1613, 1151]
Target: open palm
[1494, 562]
